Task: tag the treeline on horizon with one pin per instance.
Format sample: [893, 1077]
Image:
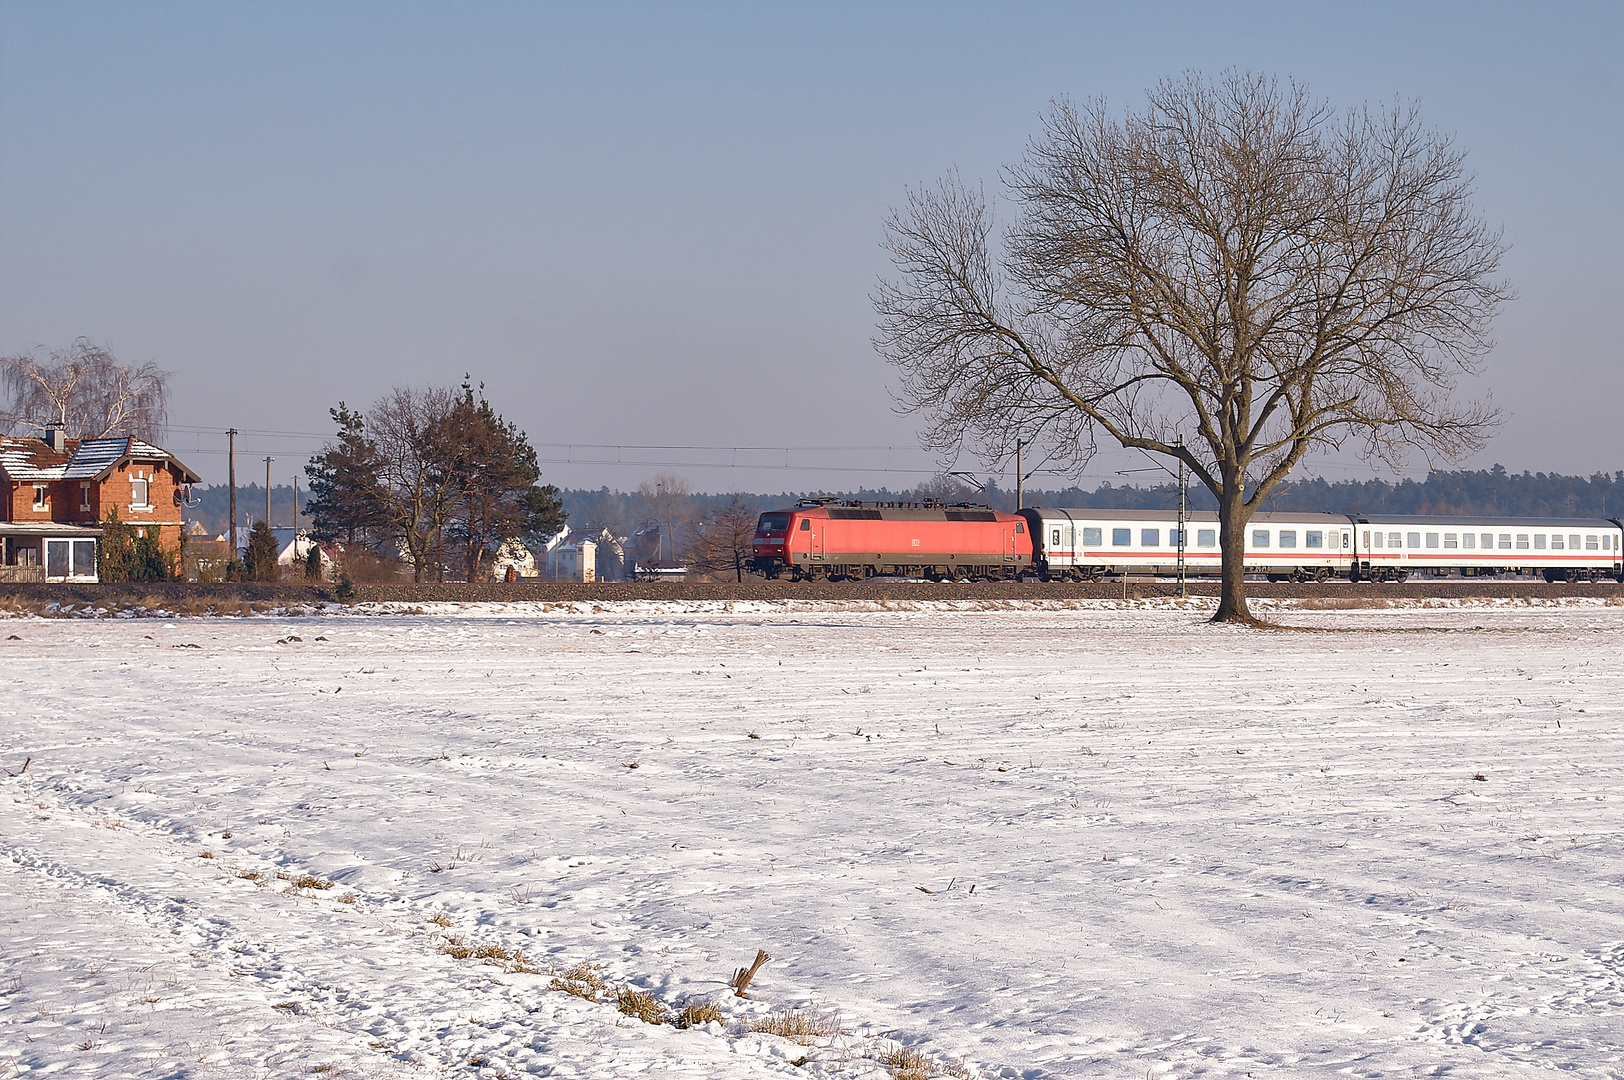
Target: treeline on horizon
[1492, 492]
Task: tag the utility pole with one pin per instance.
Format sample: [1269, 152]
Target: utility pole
[1020, 479]
[268, 491]
[1183, 504]
[295, 504]
[231, 457]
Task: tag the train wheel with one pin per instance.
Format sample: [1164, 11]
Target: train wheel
[1322, 575]
[1402, 576]
[1572, 576]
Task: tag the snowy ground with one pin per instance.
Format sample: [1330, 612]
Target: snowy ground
[1073, 841]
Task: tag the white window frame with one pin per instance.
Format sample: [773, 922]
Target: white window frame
[145, 502]
[42, 496]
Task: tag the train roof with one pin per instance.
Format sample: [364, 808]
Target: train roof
[1092, 514]
[1486, 522]
[900, 512]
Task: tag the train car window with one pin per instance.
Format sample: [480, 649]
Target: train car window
[1590, 543]
[1092, 536]
[1206, 538]
[1451, 540]
[1505, 541]
[1413, 540]
[1395, 540]
[1432, 539]
[1488, 542]
[1054, 537]
[1539, 541]
[1373, 540]
[1178, 538]
[1288, 538]
[1556, 542]
[1150, 538]
[1260, 538]
[1347, 539]
[1468, 541]
[806, 524]
[1522, 541]
[1314, 538]
[1573, 541]
[1121, 537]
[1020, 528]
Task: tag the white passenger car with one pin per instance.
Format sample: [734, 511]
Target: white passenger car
[1559, 549]
[1085, 544]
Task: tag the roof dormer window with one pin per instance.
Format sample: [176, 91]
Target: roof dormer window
[41, 497]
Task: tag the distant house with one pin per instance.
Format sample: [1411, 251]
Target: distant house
[513, 555]
[57, 491]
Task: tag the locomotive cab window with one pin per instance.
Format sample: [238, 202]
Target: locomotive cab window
[806, 524]
[1260, 538]
[1020, 528]
[1314, 538]
[773, 523]
[1121, 537]
[1206, 538]
[1091, 537]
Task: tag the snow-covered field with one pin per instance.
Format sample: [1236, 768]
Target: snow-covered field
[1041, 842]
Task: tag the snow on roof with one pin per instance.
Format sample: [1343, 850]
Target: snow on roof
[31, 459]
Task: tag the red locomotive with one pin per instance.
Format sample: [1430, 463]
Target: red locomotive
[829, 538]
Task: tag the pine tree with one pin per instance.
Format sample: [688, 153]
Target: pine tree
[259, 561]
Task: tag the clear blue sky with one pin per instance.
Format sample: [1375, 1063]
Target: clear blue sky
[660, 224]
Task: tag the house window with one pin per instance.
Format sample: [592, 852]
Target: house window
[40, 497]
[138, 491]
[1206, 538]
[84, 495]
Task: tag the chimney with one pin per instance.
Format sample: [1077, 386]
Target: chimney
[57, 438]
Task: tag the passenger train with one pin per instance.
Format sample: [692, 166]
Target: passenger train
[821, 539]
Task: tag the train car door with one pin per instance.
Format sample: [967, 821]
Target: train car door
[818, 538]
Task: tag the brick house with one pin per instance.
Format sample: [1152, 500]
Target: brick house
[55, 492]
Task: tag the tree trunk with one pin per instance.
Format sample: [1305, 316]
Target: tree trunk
[1232, 521]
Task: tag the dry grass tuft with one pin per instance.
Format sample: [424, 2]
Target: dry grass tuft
[582, 980]
[249, 875]
[306, 881]
[698, 1015]
[439, 919]
[804, 1026]
[641, 1004]
[906, 1063]
[508, 960]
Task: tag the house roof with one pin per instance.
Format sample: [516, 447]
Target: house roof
[88, 459]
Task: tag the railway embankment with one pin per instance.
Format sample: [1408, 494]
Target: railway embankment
[194, 598]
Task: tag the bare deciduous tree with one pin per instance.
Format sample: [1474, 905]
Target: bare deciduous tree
[86, 391]
[669, 502]
[1237, 262]
[727, 539]
[416, 493]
